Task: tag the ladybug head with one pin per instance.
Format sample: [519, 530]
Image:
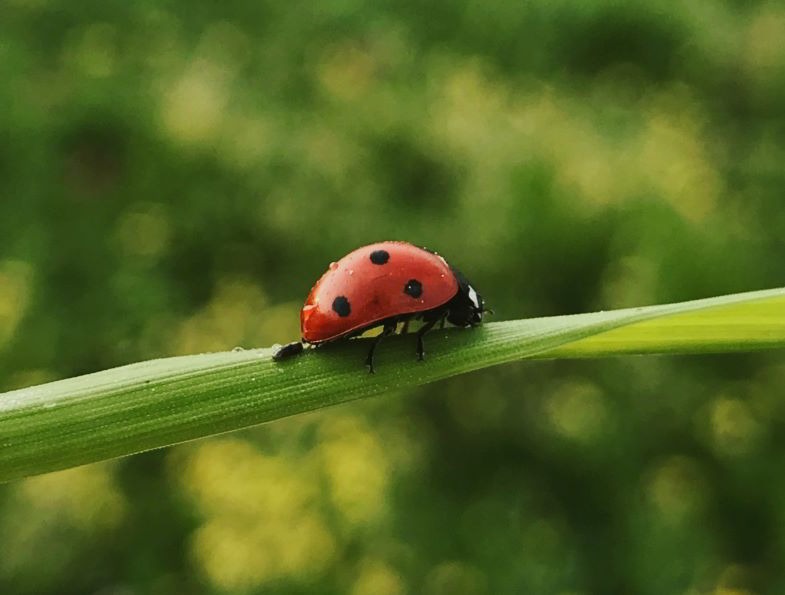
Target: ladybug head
[467, 307]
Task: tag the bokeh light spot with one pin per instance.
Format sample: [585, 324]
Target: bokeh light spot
[765, 42]
[346, 71]
[52, 516]
[143, 232]
[193, 106]
[262, 522]
[577, 410]
[237, 316]
[16, 278]
[676, 488]
[357, 469]
[375, 577]
[734, 429]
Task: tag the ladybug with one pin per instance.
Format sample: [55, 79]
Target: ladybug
[384, 284]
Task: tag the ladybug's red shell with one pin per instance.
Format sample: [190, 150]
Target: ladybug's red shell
[373, 283]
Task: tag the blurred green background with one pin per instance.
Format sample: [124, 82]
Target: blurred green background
[175, 175]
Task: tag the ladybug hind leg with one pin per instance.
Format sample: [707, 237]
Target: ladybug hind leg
[288, 350]
[389, 329]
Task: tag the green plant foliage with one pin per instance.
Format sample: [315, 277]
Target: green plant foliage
[159, 403]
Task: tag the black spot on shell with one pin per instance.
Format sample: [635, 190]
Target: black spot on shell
[341, 306]
[380, 256]
[413, 288]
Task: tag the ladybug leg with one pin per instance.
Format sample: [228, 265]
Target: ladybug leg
[423, 329]
[389, 329]
[288, 350]
[442, 321]
[405, 327]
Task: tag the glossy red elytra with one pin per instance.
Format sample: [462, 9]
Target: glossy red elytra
[384, 284]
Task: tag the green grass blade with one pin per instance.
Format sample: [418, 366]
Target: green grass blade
[163, 402]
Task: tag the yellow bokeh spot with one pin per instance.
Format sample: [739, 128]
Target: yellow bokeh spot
[16, 279]
[237, 316]
[308, 548]
[495, 127]
[197, 98]
[378, 578]
[143, 232]
[733, 580]
[674, 157]
[230, 557]
[676, 489]
[231, 476]
[263, 521]
[734, 429]
[46, 515]
[346, 71]
[357, 469]
[193, 105]
[577, 411]
[85, 497]
[765, 43]
[239, 553]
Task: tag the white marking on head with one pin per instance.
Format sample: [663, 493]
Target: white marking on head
[473, 297]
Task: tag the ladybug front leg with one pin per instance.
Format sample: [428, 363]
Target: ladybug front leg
[389, 329]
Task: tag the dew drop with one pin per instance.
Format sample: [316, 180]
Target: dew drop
[333, 266]
[236, 349]
[351, 271]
